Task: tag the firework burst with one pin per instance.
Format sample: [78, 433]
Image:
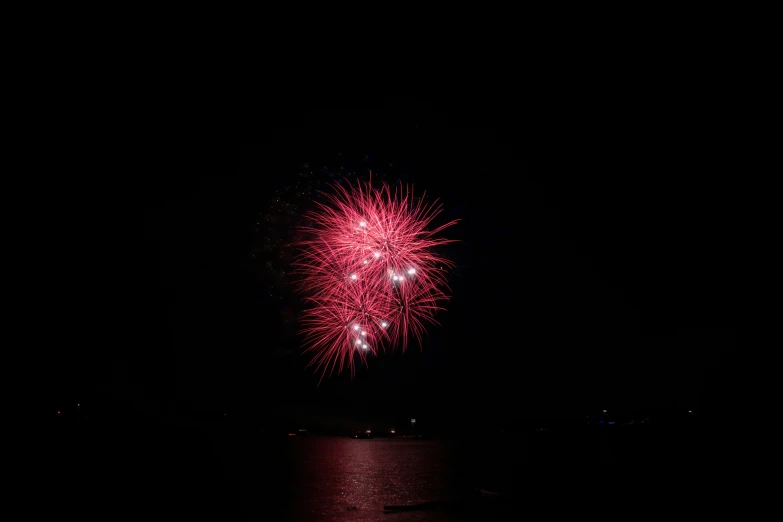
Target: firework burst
[370, 273]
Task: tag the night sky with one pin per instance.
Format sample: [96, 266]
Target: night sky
[592, 264]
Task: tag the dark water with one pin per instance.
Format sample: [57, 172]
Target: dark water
[336, 478]
[576, 473]
[111, 472]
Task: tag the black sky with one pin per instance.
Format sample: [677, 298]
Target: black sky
[591, 266]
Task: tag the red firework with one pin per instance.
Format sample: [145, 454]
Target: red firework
[370, 274]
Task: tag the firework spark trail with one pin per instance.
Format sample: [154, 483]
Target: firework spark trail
[370, 273]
